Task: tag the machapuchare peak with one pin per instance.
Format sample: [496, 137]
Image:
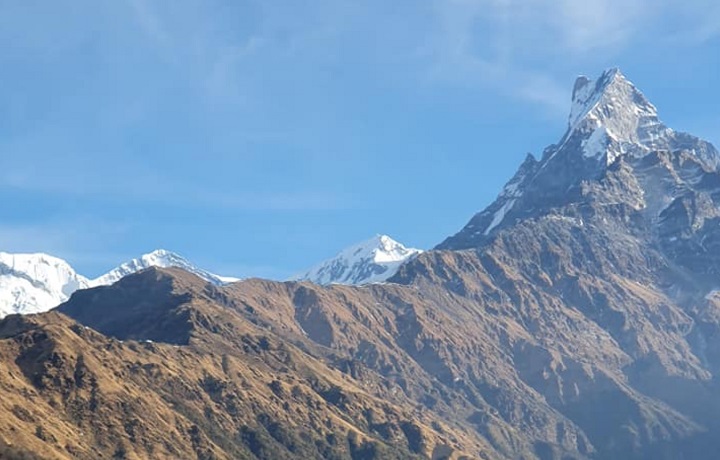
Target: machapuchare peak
[612, 90]
[615, 118]
[610, 120]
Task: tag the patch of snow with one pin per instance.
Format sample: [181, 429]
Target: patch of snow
[500, 215]
[597, 144]
[572, 220]
[585, 97]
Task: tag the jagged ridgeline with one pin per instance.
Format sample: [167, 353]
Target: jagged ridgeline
[35, 283]
[575, 318]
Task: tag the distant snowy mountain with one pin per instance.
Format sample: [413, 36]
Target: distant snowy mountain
[372, 261]
[159, 258]
[34, 283]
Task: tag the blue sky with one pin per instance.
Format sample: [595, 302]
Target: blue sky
[258, 137]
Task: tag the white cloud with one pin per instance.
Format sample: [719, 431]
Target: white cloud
[594, 25]
[477, 43]
[549, 27]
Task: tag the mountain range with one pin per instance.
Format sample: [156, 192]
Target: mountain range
[34, 283]
[576, 317]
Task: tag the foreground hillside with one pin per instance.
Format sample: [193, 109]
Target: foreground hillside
[219, 373]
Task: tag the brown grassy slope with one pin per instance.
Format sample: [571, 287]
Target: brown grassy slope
[236, 390]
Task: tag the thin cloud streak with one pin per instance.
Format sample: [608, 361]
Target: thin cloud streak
[503, 43]
[156, 192]
[150, 22]
[454, 56]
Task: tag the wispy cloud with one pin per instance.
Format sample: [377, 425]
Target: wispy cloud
[693, 23]
[149, 190]
[150, 22]
[590, 26]
[508, 44]
[548, 27]
[476, 46]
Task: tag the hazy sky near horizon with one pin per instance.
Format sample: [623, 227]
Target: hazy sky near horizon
[258, 137]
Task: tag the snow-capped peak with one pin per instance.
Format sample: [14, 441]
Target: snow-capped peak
[611, 110]
[371, 261]
[159, 258]
[384, 249]
[32, 283]
[612, 88]
[607, 96]
[610, 120]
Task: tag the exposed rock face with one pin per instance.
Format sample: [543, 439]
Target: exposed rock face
[578, 317]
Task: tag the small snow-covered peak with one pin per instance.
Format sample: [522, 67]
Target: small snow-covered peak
[371, 261]
[159, 258]
[163, 258]
[382, 248]
[160, 253]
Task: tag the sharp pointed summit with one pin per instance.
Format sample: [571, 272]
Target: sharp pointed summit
[610, 121]
[613, 118]
[609, 94]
